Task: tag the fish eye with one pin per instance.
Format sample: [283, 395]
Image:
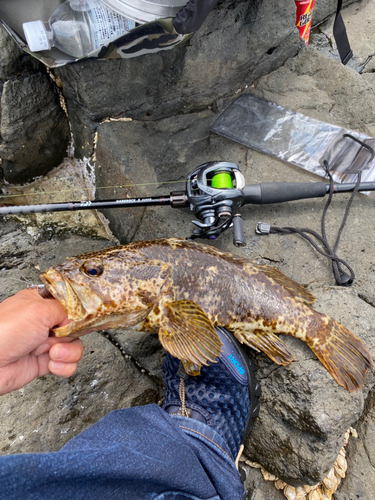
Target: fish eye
[92, 268]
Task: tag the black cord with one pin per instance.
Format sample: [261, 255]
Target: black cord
[341, 276]
[302, 232]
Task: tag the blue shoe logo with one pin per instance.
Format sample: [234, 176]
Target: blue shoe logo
[236, 364]
[232, 359]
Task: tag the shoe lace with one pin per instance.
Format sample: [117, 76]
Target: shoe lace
[183, 411]
[181, 392]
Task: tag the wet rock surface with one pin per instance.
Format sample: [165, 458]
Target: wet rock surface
[169, 101]
[34, 130]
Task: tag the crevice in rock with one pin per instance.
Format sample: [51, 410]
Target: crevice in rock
[271, 50]
[366, 299]
[268, 259]
[263, 57]
[58, 87]
[368, 59]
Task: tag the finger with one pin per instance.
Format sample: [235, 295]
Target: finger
[62, 369]
[67, 352]
[43, 361]
[51, 341]
[51, 311]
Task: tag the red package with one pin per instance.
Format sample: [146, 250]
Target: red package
[304, 17]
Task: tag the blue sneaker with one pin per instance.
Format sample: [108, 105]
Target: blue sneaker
[224, 396]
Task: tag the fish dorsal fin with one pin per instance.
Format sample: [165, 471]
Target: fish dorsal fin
[187, 333]
[298, 291]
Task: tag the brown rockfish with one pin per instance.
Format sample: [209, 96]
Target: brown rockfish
[181, 290]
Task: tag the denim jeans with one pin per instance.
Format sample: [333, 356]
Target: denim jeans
[134, 454]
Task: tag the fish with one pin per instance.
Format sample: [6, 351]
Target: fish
[181, 290]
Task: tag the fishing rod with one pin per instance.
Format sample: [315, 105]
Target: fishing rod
[215, 191]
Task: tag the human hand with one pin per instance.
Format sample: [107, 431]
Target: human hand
[26, 350]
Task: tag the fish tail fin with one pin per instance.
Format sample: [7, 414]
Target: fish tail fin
[343, 354]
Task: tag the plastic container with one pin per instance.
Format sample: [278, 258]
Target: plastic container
[143, 11]
[77, 27]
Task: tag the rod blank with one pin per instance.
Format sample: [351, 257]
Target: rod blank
[85, 205]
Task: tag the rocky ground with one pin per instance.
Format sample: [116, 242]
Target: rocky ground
[148, 132]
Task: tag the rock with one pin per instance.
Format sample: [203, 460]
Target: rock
[34, 128]
[186, 79]
[144, 349]
[13, 61]
[325, 8]
[71, 181]
[125, 158]
[323, 89]
[370, 77]
[361, 458]
[259, 489]
[26, 251]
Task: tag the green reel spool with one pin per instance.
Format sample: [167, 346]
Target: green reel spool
[222, 180]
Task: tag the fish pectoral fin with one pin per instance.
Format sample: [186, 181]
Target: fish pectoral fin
[342, 353]
[298, 291]
[188, 334]
[267, 342]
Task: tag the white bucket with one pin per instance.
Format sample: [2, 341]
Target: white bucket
[144, 11]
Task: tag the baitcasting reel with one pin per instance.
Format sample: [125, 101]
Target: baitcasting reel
[214, 193]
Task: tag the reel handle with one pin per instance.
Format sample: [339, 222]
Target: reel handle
[238, 234]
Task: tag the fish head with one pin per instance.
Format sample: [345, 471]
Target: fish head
[107, 289]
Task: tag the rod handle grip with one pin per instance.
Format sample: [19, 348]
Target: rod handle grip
[279, 192]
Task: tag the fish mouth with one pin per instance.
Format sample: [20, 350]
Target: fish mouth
[80, 307]
[55, 286]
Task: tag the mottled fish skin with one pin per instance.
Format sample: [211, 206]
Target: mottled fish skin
[181, 289]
